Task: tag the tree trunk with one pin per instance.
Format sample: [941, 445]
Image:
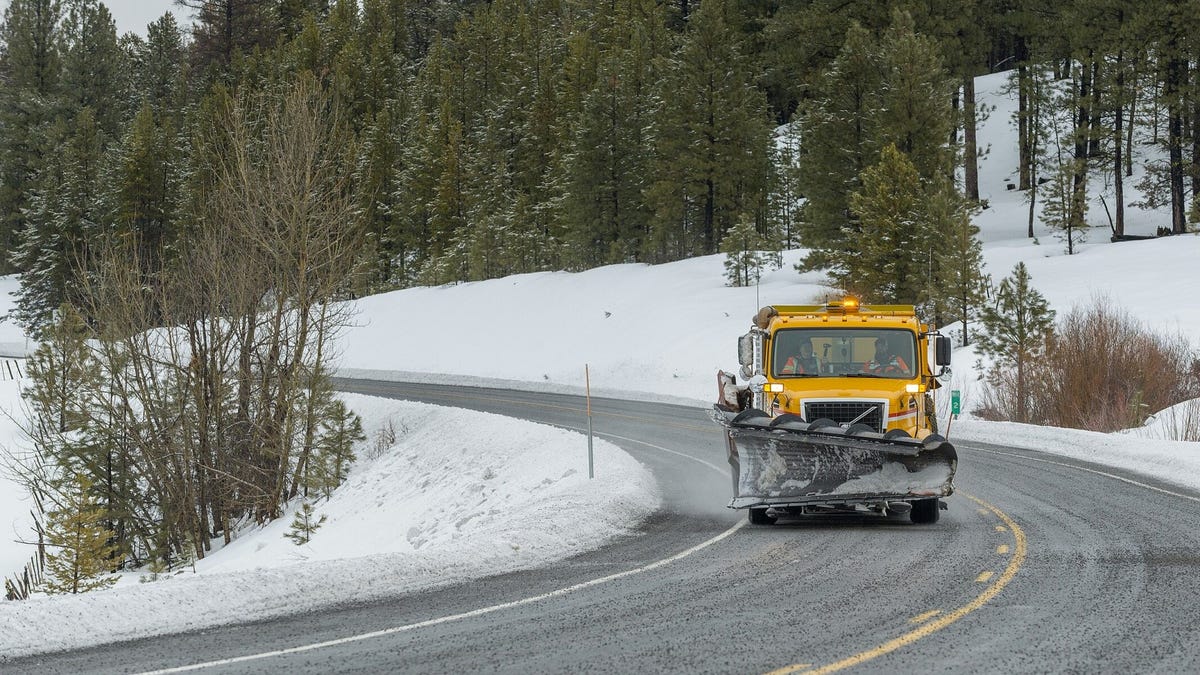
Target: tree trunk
[970, 144]
[1079, 178]
[1133, 100]
[1032, 176]
[1096, 121]
[1118, 178]
[1176, 75]
[1194, 169]
[1024, 90]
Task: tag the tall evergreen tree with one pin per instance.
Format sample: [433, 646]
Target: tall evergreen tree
[889, 262]
[147, 180]
[607, 159]
[62, 218]
[30, 86]
[225, 28]
[712, 135]
[158, 67]
[893, 91]
[837, 144]
[1016, 330]
[959, 289]
[93, 67]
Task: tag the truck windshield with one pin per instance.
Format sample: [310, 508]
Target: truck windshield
[843, 352]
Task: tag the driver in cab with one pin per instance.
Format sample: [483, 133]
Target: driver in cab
[886, 361]
[804, 363]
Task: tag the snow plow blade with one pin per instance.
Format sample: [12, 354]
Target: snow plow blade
[786, 461]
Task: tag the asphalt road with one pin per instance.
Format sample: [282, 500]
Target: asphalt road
[1040, 565]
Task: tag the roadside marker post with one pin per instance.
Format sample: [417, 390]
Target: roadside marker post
[587, 380]
[955, 407]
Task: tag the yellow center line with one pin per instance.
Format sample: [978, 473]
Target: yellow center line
[922, 618]
[1002, 549]
[1000, 528]
[945, 620]
[983, 576]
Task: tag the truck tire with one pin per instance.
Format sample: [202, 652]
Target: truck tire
[925, 511]
[760, 517]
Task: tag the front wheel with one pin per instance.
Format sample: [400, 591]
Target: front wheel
[925, 511]
[760, 517]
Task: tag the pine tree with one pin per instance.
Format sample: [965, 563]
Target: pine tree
[60, 371]
[712, 138]
[341, 429]
[1059, 211]
[304, 525]
[836, 146]
[609, 77]
[889, 263]
[62, 219]
[31, 72]
[914, 109]
[225, 28]
[895, 91]
[93, 64]
[147, 180]
[747, 252]
[80, 556]
[158, 67]
[1015, 332]
[960, 289]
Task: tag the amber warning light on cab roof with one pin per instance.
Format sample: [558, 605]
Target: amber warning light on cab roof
[848, 304]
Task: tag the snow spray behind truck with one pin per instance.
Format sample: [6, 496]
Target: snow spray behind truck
[837, 413]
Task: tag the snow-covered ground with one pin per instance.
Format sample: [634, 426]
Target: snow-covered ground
[458, 496]
[517, 491]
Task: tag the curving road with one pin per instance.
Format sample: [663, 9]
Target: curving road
[1040, 565]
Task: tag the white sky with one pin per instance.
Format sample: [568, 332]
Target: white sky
[135, 15]
[645, 331]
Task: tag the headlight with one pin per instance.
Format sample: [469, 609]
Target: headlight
[773, 388]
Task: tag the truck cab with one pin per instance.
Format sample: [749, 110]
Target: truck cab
[846, 363]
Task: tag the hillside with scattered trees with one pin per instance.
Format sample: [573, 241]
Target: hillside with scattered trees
[184, 206]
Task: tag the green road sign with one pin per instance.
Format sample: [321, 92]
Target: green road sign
[955, 401]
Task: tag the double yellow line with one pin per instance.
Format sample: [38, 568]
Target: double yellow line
[1014, 564]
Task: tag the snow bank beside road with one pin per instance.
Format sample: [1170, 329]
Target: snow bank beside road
[1176, 462]
[460, 495]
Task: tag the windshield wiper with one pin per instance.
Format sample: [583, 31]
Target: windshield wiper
[862, 375]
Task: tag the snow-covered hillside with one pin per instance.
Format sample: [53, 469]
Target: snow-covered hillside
[656, 332]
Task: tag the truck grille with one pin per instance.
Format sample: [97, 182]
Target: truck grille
[844, 411]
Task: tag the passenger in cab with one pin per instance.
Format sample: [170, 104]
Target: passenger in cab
[886, 361]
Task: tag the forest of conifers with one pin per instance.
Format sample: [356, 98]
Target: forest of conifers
[480, 139]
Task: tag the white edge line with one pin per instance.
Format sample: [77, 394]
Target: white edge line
[483, 610]
[1095, 471]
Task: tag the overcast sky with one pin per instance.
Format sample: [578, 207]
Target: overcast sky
[134, 15]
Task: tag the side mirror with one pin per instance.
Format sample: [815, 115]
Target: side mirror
[943, 350]
[746, 351]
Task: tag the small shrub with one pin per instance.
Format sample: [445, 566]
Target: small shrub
[1102, 371]
[304, 525]
[384, 438]
[1109, 372]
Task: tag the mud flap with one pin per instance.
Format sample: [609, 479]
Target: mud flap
[786, 461]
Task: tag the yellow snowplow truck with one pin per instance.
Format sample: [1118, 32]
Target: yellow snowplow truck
[836, 413]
